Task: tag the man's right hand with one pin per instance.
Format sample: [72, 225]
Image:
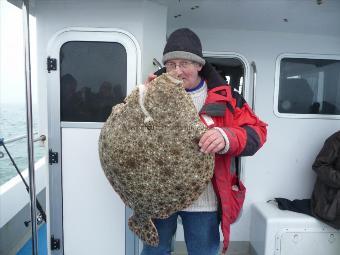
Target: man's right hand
[151, 76]
[154, 75]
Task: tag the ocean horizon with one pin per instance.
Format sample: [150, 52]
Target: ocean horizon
[13, 124]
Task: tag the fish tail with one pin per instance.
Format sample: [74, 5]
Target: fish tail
[144, 229]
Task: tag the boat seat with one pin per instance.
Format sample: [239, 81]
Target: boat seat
[278, 232]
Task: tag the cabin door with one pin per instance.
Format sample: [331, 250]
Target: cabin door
[94, 71]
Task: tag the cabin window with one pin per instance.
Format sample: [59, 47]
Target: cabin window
[309, 86]
[231, 69]
[92, 79]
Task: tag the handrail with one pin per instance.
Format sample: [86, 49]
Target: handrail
[42, 216]
[29, 124]
[253, 65]
[40, 138]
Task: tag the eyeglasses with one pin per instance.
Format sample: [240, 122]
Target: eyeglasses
[182, 65]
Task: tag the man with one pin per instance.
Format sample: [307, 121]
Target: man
[234, 130]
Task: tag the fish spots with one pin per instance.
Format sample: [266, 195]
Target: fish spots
[196, 165]
[179, 187]
[166, 172]
[131, 163]
[197, 188]
[160, 138]
[159, 162]
[175, 151]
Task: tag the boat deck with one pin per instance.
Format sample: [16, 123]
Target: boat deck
[42, 243]
[179, 248]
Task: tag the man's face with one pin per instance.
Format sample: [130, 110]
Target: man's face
[185, 70]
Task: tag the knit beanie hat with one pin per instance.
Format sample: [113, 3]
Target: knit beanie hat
[183, 44]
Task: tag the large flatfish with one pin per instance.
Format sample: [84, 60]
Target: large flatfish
[149, 152]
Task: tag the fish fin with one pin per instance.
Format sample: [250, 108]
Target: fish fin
[144, 229]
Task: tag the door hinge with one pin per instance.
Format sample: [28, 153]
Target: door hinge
[52, 157]
[55, 243]
[51, 64]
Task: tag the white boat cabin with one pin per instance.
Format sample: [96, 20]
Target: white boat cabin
[283, 56]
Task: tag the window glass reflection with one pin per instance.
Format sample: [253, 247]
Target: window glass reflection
[92, 80]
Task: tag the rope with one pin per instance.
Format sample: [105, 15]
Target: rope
[142, 89]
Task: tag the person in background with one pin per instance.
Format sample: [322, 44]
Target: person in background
[234, 130]
[326, 194]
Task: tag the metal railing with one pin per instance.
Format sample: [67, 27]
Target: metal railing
[41, 138]
[253, 65]
[41, 216]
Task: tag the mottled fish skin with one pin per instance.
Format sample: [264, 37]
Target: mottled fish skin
[144, 228]
[156, 169]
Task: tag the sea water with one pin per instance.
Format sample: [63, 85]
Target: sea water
[13, 124]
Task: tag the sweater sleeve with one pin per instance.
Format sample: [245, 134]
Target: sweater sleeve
[247, 133]
[324, 164]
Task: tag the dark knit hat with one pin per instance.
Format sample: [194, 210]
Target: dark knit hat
[183, 44]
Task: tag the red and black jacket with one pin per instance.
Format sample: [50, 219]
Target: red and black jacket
[246, 134]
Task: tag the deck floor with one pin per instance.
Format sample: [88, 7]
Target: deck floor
[235, 248]
[180, 249]
[42, 243]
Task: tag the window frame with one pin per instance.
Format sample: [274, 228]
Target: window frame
[277, 86]
[71, 34]
[246, 90]
[65, 123]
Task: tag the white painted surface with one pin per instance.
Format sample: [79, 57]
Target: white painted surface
[310, 241]
[13, 194]
[278, 232]
[262, 15]
[94, 215]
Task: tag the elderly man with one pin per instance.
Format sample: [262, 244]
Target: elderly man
[234, 130]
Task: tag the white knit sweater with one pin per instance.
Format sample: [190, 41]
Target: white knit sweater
[207, 201]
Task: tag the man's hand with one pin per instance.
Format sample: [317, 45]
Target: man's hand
[212, 141]
[154, 75]
[150, 77]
